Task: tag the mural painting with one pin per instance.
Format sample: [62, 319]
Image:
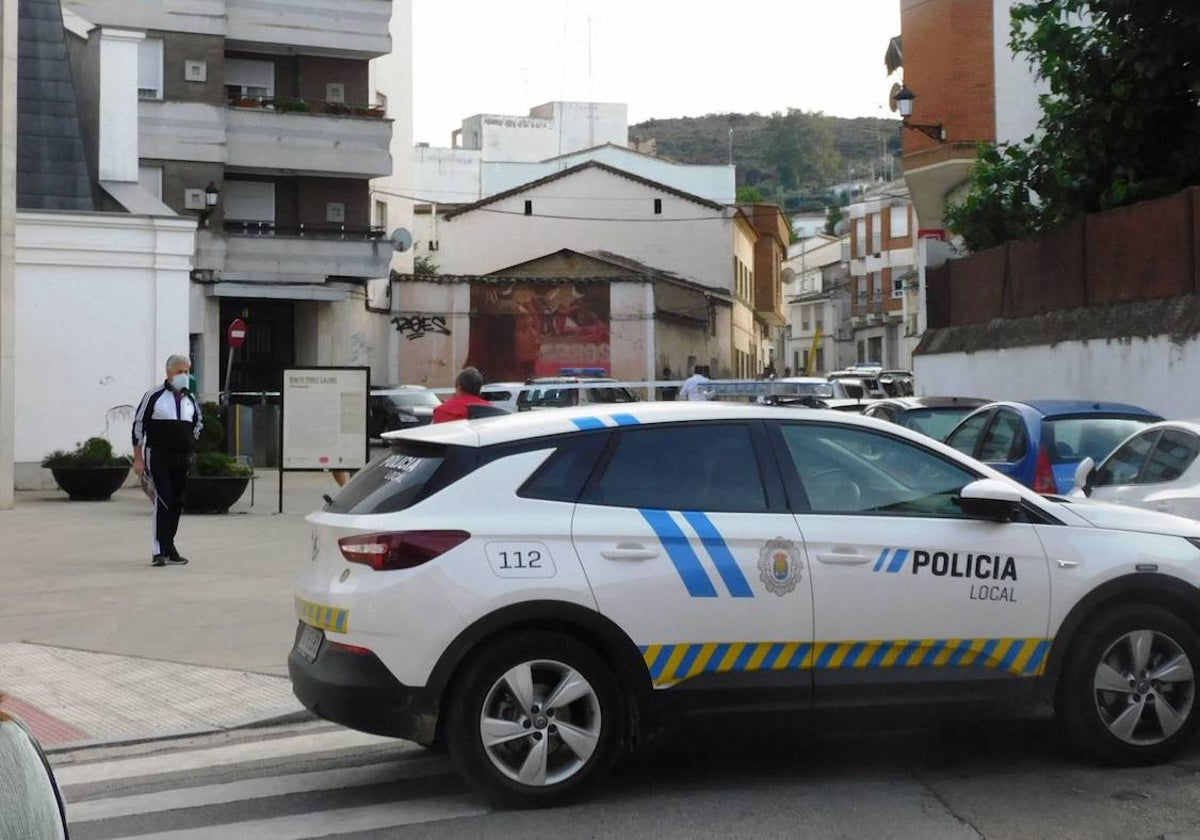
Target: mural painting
[520, 330]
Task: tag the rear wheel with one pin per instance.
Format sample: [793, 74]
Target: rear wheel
[534, 720]
[1128, 694]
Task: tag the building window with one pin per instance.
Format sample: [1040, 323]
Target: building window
[381, 220]
[899, 221]
[252, 79]
[897, 284]
[528, 207]
[860, 237]
[251, 203]
[876, 233]
[876, 285]
[150, 68]
[820, 324]
[658, 207]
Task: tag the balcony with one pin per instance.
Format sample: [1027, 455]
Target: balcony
[341, 28]
[305, 137]
[259, 252]
[191, 131]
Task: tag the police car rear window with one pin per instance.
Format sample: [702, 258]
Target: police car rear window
[390, 483]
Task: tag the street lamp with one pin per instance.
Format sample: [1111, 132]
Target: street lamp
[904, 103]
[211, 196]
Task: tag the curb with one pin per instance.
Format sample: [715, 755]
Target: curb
[301, 716]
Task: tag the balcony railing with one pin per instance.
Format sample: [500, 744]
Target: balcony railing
[360, 233]
[295, 105]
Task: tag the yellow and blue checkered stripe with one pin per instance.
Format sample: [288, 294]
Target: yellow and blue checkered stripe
[333, 619]
[672, 664]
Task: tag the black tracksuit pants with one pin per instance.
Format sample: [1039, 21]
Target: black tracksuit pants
[169, 471]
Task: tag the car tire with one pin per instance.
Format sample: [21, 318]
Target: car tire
[510, 744]
[1128, 691]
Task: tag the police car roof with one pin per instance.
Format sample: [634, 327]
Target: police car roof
[555, 421]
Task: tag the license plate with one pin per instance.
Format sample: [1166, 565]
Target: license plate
[309, 643]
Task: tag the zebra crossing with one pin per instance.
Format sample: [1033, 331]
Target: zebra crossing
[313, 780]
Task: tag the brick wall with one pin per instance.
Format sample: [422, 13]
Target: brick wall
[948, 64]
[1146, 251]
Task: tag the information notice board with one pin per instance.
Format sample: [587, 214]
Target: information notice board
[324, 418]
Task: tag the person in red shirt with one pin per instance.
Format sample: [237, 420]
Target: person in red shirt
[467, 386]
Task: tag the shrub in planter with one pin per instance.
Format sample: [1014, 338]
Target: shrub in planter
[90, 472]
[217, 480]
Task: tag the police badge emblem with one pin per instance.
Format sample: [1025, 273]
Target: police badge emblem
[779, 566]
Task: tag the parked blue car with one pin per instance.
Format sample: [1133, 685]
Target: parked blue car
[1040, 442]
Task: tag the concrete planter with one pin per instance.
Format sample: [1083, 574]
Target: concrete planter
[213, 493]
[90, 484]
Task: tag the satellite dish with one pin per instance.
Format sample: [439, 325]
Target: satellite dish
[401, 240]
[892, 103]
[789, 275]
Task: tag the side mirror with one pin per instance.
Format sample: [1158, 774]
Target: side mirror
[1085, 476]
[988, 498]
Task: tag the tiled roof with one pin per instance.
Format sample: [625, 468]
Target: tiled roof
[52, 172]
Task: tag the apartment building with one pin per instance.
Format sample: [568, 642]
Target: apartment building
[884, 292]
[818, 335]
[258, 118]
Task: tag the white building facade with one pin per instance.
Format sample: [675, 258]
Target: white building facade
[258, 119]
[819, 338]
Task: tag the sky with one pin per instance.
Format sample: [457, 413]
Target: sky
[663, 58]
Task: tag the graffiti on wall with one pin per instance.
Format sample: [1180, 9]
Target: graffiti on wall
[419, 326]
[527, 329]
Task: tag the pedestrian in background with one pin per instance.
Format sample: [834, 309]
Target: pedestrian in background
[692, 389]
[667, 392]
[467, 386]
[31, 807]
[166, 426]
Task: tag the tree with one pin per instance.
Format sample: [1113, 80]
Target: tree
[833, 217]
[800, 149]
[424, 266]
[749, 195]
[1120, 123]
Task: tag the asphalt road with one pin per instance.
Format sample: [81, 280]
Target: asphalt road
[1006, 780]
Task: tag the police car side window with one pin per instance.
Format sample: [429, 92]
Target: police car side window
[1172, 455]
[857, 471]
[709, 467]
[561, 477]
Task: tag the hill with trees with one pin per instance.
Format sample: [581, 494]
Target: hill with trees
[793, 157]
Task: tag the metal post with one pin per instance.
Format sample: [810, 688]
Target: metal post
[8, 242]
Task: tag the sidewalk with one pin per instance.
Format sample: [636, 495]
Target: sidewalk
[98, 645]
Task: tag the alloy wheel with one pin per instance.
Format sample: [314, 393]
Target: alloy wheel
[1144, 687]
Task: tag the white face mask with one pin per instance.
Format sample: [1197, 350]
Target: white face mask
[179, 381]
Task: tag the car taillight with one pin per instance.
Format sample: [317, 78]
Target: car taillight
[399, 549]
[1043, 474]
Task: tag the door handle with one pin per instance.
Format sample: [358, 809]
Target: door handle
[843, 558]
[629, 551]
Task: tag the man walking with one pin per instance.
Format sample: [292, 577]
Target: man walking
[693, 386]
[467, 386]
[165, 430]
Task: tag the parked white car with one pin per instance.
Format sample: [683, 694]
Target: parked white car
[1156, 469]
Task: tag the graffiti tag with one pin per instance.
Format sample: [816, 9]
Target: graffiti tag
[416, 326]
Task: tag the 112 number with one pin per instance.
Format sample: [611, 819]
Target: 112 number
[531, 559]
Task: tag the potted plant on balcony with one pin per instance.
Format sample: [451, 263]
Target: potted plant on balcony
[217, 480]
[89, 473]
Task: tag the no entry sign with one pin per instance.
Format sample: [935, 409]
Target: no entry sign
[236, 334]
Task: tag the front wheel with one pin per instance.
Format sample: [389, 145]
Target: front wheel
[1128, 694]
[534, 720]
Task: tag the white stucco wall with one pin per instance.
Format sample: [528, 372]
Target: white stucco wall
[433, 359]
[445, 176]
[118, 141]
[1153, 373]
[101, 301]
[1017, 88]
[592, 210]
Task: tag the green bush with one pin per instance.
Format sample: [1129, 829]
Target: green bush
[93, 452]
[218, 463]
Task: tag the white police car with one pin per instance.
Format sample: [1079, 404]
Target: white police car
[541, 591]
